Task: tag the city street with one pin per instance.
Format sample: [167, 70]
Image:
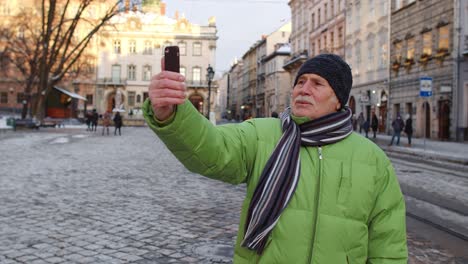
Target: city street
[72, 196]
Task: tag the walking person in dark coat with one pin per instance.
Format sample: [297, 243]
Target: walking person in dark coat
[409, 129]
[366, 126]
[94, 120]
[88, 118]
[398, 126]
[117, 123]
[374, 123]
[360, 122]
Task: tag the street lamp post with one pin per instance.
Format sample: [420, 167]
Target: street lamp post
[12, 90]
[209, 77]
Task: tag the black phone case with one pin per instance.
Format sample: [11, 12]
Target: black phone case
[171, 58]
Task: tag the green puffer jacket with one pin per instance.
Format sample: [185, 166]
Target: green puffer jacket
[347, 208]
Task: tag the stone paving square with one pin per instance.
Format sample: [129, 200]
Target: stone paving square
[71, 196]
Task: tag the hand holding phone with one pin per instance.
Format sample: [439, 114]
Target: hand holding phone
[167, 88]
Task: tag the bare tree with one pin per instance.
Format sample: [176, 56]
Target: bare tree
[50, 39]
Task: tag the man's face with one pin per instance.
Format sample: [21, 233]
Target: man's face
[313, 97]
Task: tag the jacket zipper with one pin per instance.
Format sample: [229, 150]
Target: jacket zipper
[317, 201]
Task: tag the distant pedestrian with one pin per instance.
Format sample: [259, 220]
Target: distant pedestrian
[94, 120]
[354, 122]
[366, 126]
[397, 126]
[274, 114]
[106, 120]
[374, 124]
[360, 122]
[88, 121]
[117, 123]
[409, 128]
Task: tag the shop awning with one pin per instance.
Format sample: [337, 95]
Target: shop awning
[73, 95]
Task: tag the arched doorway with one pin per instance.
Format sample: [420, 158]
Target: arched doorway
[352, 104]
[111, 101]
[444, 119]
[197, 101]
[427, 120]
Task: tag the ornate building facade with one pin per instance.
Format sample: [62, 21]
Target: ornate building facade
[367, 29]
[130, 54]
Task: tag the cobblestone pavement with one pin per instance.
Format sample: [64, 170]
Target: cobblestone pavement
[71, 196]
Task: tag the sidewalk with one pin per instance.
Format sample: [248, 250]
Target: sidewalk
[454, 152]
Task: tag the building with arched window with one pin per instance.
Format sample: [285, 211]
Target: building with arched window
[130, 53]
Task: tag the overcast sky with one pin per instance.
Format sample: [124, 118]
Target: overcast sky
[240, 23]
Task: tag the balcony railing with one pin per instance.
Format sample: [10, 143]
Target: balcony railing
[111, 81]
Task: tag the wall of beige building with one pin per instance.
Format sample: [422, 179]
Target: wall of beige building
[422, 37]
[367, 52]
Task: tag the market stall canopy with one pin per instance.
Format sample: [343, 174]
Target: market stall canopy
[73, 95]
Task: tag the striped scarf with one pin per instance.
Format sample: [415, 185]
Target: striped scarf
[280, 176]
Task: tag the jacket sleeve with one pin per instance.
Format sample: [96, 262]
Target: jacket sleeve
[387, 227]
[224, 153]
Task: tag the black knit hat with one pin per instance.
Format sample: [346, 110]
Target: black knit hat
[332, 68]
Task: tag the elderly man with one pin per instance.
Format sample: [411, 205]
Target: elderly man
[316, 191]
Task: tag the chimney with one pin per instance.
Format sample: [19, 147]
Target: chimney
[127, 6]
[163, 8]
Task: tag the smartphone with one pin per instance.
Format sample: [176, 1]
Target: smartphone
[171, 59]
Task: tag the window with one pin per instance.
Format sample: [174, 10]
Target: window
[358, 55]
[398, 4]
[196, 74]
[340, 36]
[145, 95]
[20, 97]
[138, 99]
[313, 50]
[427, 43]
[332, 41]
[117, 48]
[325, 11]
[398, 47]
[131, 73]
[383, 51]
[89, 99]
[197, 49]
[384, 6]
[357, 24]
[182, 48]
[146, 73]
[148, 47]
[319, 45]
[132, 47]
[182, 70]
[370, 56]
[20, 33]
[318, 14]
[443, 37]
[332, 7]
[410, 48]
[3, 97]
[131, 98]
[313, 20]
[116, 73]
[325, 42]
